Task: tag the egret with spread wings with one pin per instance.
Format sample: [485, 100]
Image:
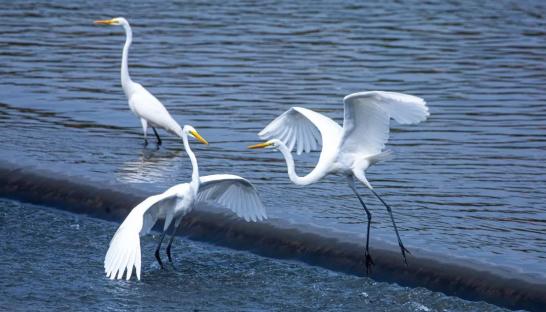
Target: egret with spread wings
[142, 103]
[347, 150]
[231, 191]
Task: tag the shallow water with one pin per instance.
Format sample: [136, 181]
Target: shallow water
[52, 260]
[469, 182]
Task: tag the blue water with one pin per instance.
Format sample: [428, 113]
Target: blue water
[52, 260]
[467, 183]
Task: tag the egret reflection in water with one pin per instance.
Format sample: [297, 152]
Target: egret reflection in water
[152, 166]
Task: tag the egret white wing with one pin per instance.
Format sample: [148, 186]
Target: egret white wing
[301, 128]
[233, 192]
[124, 250]
[147, 106]
[367, 119]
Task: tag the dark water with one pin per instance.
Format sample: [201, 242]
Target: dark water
[469, 182]
[44, 267]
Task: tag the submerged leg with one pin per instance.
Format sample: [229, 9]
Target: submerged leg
[157, 137]
[157, 249]
[145, 130]
[402, 248]
[369, 261]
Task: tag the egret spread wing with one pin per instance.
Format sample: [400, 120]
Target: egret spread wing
[124, 250]
[367, 117]
[233, 192]
[301, 127]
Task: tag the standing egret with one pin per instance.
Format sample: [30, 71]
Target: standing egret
[231, 191]
[350, 150]
[141, 102]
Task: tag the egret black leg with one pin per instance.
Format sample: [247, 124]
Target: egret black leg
[145, 142]
[175, 227]
[402, 248]
[368, 257]
[157, 136]
[158, 247]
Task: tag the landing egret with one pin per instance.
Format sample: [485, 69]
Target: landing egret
[141, 102]
[231, 191]
[350, 150]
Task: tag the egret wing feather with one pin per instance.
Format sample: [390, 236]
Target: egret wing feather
[233, 192]
[301, 128]
[367, 117]
[147, 106]
[124, 249]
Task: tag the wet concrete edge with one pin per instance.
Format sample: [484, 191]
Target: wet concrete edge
[279, 239]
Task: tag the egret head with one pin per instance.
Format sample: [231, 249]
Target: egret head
[113, 21]
[269, 144]
[190, 131]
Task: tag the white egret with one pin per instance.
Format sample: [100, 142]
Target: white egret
[142, 103]
[350, 150]
[231, 191]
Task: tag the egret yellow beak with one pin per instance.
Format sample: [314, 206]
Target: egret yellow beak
[105, 22]
[198, 137]
[261, 145]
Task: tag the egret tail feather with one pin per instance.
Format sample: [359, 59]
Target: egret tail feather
[383, 156]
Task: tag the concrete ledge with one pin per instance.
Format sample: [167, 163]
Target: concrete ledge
[278, 238]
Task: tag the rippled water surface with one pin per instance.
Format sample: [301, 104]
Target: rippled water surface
[469, 182]
[49, 270]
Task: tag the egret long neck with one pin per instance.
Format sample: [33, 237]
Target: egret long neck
[312, 177]
[195, 173]
[125, 78]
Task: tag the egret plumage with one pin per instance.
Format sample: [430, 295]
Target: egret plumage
[347, 150]
[142, 103]
[230, 191]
